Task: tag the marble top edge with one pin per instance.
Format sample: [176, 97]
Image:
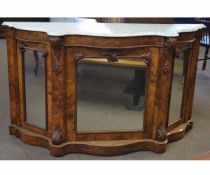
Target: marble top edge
[105, 29]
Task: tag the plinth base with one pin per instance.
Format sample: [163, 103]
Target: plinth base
[103, 148]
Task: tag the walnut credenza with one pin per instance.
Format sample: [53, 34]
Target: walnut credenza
[62, 47]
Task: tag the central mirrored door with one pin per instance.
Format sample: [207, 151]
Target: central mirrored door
[110, 96]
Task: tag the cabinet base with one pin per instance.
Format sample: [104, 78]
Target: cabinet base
[179, 132]
[102, 148]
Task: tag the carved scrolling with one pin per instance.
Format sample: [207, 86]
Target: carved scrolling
[57, 47]
[78, 56]
[22, 50]
[24, 46]
[165, 67]
[147, 58]
[57, 68]
[166, 53]
[44, 52]
[112, 55]
[161, 134]
[177, 51]
[44, 55]
[57, 136]
[166, 46]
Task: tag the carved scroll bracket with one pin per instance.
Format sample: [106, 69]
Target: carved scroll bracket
[44, 53]
[166, 67]
[147, 58]
[166, 46]
[78, 56]
[161, 134]
[57, 68]
[57, 47]
[166, 52]
[57, 136]
[112, 55]
[22, 47]
[177, 51]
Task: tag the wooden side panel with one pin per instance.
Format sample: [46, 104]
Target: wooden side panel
[21, 47]
[58, 90]
[13, 76]
[71, 84]
[49, 90]
[185, 43]
[21, 86]
[191, 76]
[151, 91]
[163, 89]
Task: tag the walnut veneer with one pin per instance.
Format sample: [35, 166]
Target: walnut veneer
[63, 53]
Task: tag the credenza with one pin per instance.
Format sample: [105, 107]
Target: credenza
[103, 89]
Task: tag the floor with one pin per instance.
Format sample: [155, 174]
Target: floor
[196, 141]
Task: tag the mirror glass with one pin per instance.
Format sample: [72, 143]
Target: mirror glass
[35, 90]
[110, 96]
[177, 87]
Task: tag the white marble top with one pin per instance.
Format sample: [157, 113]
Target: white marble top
[105, 29]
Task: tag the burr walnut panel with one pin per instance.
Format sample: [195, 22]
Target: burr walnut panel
[75, 69]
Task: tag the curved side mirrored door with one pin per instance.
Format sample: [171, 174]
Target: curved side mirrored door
[35, 88]
[177, 87]
[110, 96]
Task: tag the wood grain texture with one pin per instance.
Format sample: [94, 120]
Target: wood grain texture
[102, 148]
[63, 56]
[13, 76]
[190, 43]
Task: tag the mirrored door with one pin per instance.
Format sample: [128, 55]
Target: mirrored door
[110, 96]
[177, 87]
[34, 76]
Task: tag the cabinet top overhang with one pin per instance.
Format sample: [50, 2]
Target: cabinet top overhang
[105, 29]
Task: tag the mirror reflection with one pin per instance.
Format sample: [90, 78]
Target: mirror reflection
[35, 90]
[177, 87]
[111, 96]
